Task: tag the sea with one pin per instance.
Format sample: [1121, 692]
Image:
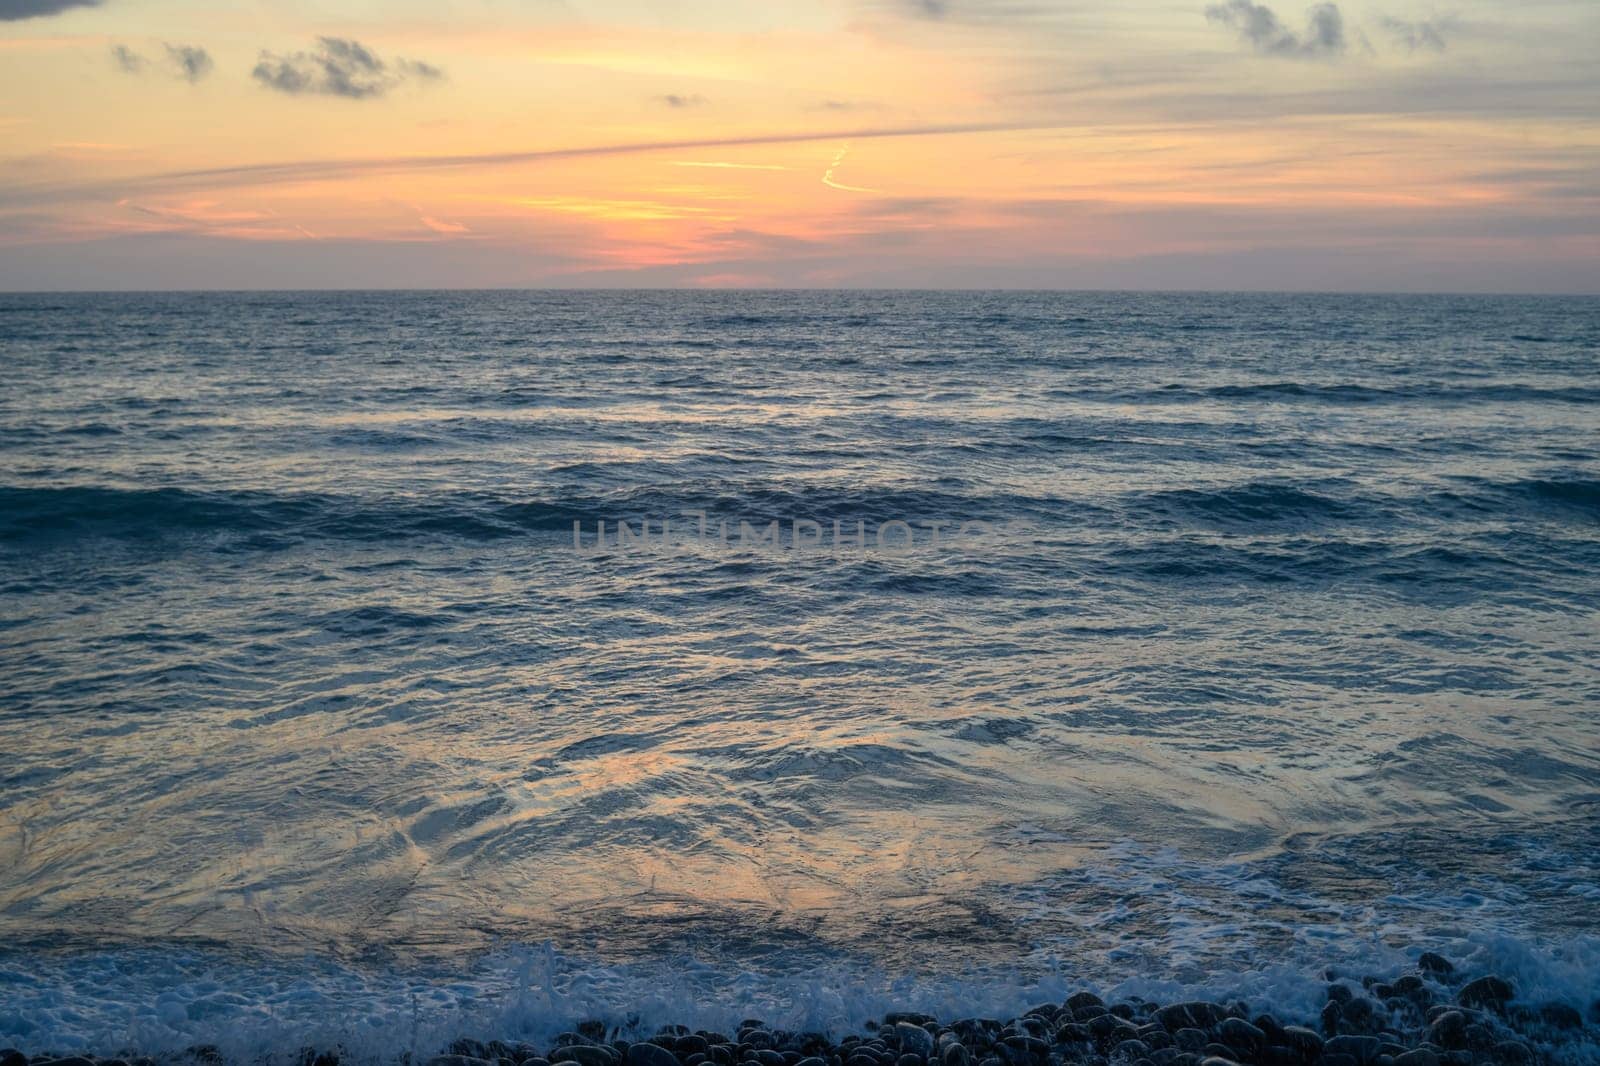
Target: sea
[382, 666]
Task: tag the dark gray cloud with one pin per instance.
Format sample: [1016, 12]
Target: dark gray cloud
[127, 60]
[1259, 25]
[677, 100]
[338, 66]
[187, 61]
[190, 61]
[1428, 35]
[15, 10]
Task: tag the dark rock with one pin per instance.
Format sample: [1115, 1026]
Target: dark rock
[1073, 1033]
[1361, 1048]
[1512, 1052]
[1560, 1016]
[1359, 1016]
[1195, 1015]
[1339, 994]
[1269, 1025]
[1429, 962]
[1331, 1016]
[1490, 991]
[1303, 1040]
[1417, 1057]
[1089, 1011]
[1190, 1039]
[757, 1038]
[1241, 1035]
[1129, 1050]
[457, 1060]
[913, 1039]
[1123, 1011]
[79, 1060]
[1408, 985]
[909, 1059]
[1449, 1030]
[12, 1057]
[1031, 1026]
[586, 1055]
[1083, 999]
[1338, 1059]
[1026, 1047]
[650, 1054]
[1218, 1051]
[955, 1054]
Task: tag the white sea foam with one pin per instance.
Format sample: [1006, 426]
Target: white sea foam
[161, 1000]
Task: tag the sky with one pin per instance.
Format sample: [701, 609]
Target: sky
[1390, 145]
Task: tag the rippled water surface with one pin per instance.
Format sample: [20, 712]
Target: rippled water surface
[1282, 646]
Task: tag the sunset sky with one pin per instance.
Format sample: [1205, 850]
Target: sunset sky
[1363, 145]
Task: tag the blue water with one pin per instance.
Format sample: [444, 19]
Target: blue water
[1277, 650]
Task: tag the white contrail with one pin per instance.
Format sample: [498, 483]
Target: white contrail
[827, 177]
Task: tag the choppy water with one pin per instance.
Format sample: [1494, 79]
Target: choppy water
[1282, 650]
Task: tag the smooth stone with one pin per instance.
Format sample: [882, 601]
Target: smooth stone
[1240, 1034]
[1338, 1059]
[70, 1060]
[955, 1053]
[1073, 1033]
[1130, 1050]
[1217, 1060]
[909, 1059]
[457, 1060]
[1512, 1052]
[1191, 1039]
[1560, 1016]
[648, 1054]
[1195, 1015]
[914, 1039]
[1303, 1040]
[1360, 1048]
[1084, 999]
[1489, 991]
[1417, 1057]
[1436, 964]
[585, 1055]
